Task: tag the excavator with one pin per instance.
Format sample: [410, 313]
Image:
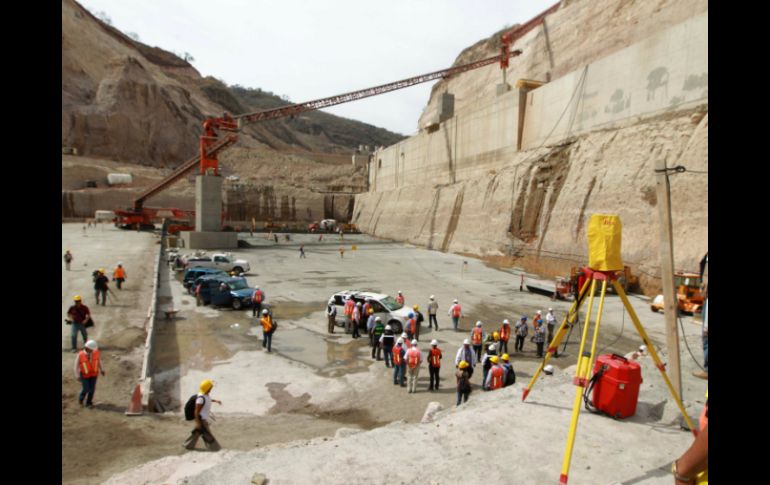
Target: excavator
[220, 132]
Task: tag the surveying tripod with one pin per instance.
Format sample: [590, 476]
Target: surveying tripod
[586, 357]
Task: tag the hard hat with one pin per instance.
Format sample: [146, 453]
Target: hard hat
[431, 297]
[264, 312]
[404, 335]
[416, 308]
[120, 264]
[496, 335]
[478, 323]
[101, 270]
[77, 298]
[550, 309]
[466, 342]
[494, 359]
[454, 301]
[377, 319]
[643, 349]
[411, 314]
[506, 357]
[463, 364]
[400, 340]
[548, 369]
[387, 327]
[523, 317]
[371, 310]
[257, 287]
[506, 322]
[540, 312]
[399, 292]
[434, 342]
[358, 303]
[414, 341]
[206, 386]
[91, 344]
[492, 348]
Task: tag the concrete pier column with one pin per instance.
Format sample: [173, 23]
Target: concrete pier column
[208, 203]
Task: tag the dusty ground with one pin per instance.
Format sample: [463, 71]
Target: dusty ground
[314, 383]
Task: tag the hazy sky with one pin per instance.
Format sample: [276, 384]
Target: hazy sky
[308, 50]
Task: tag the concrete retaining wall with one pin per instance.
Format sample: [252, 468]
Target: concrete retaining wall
[145, 379]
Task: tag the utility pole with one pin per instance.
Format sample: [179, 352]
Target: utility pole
[670, 309]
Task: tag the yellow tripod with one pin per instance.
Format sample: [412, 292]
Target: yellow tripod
[586, 357]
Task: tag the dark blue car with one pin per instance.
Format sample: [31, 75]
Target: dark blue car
[192, 274]
[231, 291]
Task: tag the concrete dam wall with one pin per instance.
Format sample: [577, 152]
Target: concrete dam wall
[517, 175]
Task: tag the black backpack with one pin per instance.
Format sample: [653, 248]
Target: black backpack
[189, 408]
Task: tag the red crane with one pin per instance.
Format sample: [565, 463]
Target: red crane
[211, 142]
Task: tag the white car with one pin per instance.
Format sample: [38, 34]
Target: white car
[223, 261]
[386, 307]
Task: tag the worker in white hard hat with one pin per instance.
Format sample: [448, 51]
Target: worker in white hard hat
[88, 365]
[406, 340]
[466, 353]
[432, 310]
[505, 335]
[399, 363]
[456, 312]
[477, 339]
[268, 328]
[387, 341]
[119, 275]
[434, 364]
[486, 362]
[202, 428]
[550, 323]
[377, 333]
[400, 297]
[413, 359]
[78, 315]
[256, 300]
[331, 314]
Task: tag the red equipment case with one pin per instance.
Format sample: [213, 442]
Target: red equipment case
[616, 392]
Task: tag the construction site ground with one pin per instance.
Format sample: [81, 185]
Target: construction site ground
[294, 415]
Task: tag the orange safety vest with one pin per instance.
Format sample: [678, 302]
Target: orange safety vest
[412, 325]
[88, 367]
[456, 311]
[497, 377]
[505, 332]
[412, 358]
[119, 273]
[267, 323]
[397, 359]
[349, 307]
[476, 336]
[258, 295]
[435, 357]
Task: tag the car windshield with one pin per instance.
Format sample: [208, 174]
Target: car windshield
[238, 284]
[391, 304]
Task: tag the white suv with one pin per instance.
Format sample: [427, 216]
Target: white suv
[386, 307]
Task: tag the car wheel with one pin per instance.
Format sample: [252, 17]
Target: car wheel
[396, 326]
[238, 270]
[237, 304]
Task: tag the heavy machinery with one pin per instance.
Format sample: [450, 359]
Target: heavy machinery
[213, 140]
[689, 298]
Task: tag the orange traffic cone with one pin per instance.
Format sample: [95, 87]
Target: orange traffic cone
[135, 406]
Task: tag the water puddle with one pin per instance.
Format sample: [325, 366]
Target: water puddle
[322, 352]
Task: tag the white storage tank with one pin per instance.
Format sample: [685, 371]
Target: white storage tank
[119, 178]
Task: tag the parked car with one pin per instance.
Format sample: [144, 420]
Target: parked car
[386, 307]
[191, 274]
[327, 225]
[223, 261]
[230, 291]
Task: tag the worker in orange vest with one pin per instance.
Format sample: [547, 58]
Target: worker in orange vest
[456, 312]
[505, 335]
[411, 326]
[256, 299]
[495, 375]
[347, 310]
[434, 364]
[477, 339]
[119, 275]
[268, 328]
[399, 363]
[413, 361]
[88, 365]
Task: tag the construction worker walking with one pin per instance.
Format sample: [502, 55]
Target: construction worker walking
[202, 416]
[477, 339]
[331, 314]
[100, 286]
[400, 298]
[456, 312]
[413, 361]
[68, 259]
[88, 365]
[505, 335]
[539, 337]
[119, 275]
[465, 353]
[256, 301]
[432, 309]
[463, 381]
[268, 328]
[302, 251]
[78, 315]
[387, 340]
[399, 363]
[434, 364]
[495, 375]
[521, 333]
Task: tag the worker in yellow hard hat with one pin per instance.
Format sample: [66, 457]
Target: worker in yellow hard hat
[463, 381]
[202, 413]
[509, 376]
[78, 315]
[418, 319]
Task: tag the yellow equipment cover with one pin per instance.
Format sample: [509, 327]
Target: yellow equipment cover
[604, 243]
